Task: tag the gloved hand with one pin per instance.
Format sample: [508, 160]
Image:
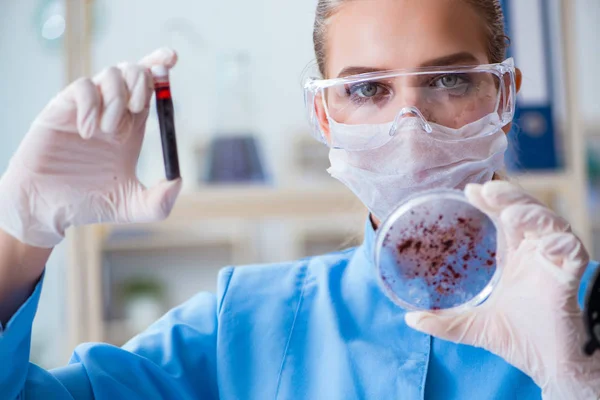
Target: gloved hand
[532, 319]
[77, 163]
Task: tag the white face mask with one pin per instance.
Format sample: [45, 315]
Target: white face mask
[414, 161]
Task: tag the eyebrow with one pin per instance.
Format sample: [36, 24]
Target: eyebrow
[464, 58]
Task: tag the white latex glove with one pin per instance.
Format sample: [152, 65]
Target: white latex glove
[77, 163]
[532, 319]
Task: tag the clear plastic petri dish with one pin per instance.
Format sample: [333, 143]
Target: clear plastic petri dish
[437, 252]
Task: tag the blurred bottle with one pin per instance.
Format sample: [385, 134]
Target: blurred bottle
[234, 154]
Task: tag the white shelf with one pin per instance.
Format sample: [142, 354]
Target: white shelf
[164, 243]
[263, 201]
[542, 182]
[225, 212]
[185, 234]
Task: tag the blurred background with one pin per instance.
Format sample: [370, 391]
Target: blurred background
[256, 190]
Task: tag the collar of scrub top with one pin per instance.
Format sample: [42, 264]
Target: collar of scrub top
[369, 240]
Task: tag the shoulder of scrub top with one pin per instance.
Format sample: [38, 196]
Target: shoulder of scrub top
[586, 281]
[266, 282]
[281, 280]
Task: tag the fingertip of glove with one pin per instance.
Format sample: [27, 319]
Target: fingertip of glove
[162, 56]
[473, 190]
[500, 194]
[475, 197]
[413, 319]
[171, 193]
[171, 57]
[496, 191]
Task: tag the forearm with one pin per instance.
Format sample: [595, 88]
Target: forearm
[21, 266]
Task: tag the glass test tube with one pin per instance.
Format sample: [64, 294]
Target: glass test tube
[166, 120]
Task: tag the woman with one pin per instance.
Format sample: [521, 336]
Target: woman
[318, 328]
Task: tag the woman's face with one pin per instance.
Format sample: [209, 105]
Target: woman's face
[371, 35]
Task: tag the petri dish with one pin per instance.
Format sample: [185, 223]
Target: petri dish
[437, 252]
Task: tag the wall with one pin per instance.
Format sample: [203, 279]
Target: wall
[31, 72]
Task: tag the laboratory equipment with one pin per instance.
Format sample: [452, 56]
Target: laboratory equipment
[437, 252]
[234, 152]
[166, 119]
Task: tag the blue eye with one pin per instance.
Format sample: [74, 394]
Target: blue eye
[366, 90]
[364, 93]
[449, 81]
[458, 84]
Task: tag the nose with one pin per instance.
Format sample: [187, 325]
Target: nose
[418, 119]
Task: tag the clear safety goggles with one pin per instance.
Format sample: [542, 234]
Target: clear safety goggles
[349, 112]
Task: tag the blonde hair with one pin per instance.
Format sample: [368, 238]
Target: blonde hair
[489, 10]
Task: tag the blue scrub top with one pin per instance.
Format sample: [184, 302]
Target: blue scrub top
[318, 328]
